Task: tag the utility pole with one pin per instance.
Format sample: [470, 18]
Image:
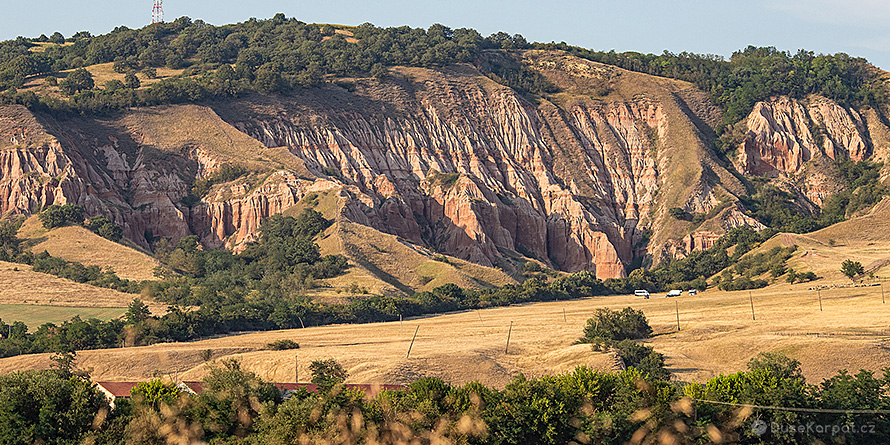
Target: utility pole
[752, 305]
[677, 303]
[412, 342]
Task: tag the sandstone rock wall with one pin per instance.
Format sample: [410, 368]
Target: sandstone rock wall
[784, 134]
[478, 179]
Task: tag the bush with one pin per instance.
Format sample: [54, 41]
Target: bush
[776, 363]
[607, 324]
[643, 358]
[282, 345]
[57, 216]
[327, 372]
[103, 227]
[532, 266]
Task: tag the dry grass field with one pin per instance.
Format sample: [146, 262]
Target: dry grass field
[76, 243]
[177, 127]
[20, 285]
[717, 335]
[384, 264]
[864, 238]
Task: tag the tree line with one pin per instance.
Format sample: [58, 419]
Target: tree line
[753, 74]
[283, 54]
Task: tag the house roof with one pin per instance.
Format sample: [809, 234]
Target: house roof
[117, 389]
[122, 389]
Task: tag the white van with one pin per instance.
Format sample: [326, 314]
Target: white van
[674, 293]
[641, 293]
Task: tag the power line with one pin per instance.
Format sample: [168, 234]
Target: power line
[803, 410]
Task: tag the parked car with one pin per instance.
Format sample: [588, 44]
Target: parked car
[693, 292]
[641, 293]
[674, 293]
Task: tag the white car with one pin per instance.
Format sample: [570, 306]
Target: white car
[693, 292]
[641, 293]
[674, 293]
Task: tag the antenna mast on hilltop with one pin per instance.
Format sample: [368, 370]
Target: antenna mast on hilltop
[157, 12]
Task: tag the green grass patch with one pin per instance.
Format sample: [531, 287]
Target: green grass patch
[36, 315]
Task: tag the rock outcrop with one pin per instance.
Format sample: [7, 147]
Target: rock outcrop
[784, 134]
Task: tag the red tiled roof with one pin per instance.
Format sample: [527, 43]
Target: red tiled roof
[118, 389]
[196, 387]
[122, 389]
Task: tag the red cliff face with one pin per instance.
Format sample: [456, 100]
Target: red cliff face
[445, 158]
[784, 134]
[474, 176]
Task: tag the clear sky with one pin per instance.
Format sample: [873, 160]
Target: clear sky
[857, 27]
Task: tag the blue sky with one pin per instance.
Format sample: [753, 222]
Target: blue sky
[857, 27]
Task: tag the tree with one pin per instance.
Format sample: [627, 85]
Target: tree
[113, 85]
[150, 72]
[643, 358]
[56, 215]
[327, 372]
[46, 407]
[137, 312]
[79, 80]
[234, 398]
[776, 363]
[155, 392]
[777, 270]
[607, 324]
[131, 81]
[852, 269]
[268, 81]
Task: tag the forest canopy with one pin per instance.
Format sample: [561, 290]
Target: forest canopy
[280, 55]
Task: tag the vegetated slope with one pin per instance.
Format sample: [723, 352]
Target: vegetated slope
[581, 178]
[80, 245]
[717, 336]
[573, 185]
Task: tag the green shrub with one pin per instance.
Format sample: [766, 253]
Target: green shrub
[607, 324]
[57, 216]
[281, 345]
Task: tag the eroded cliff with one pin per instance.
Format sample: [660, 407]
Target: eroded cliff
[445, 158]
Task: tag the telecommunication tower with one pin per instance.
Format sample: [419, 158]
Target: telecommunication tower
[157, 12]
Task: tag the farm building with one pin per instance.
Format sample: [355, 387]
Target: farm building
[116, 390]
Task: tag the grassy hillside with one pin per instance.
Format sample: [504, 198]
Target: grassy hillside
[78, 244]
[20, 285]
[386, 264]
[863, 238]
[182, 128]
